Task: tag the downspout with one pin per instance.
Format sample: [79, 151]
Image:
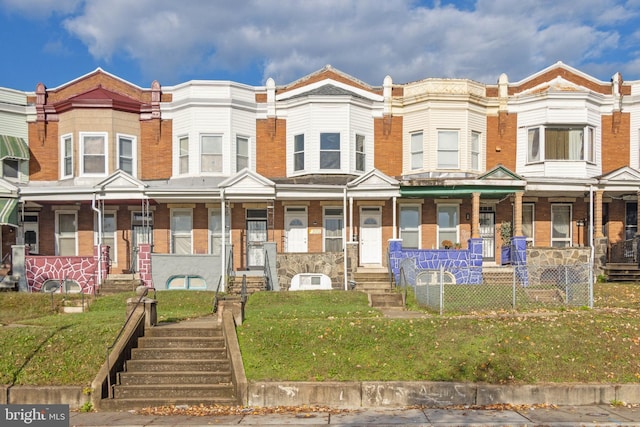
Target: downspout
[99, 212]
[223, 258]
[344, 246]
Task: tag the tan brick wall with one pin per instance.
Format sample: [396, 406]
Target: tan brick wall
[616, 134]
[271, 152]
[387, 134]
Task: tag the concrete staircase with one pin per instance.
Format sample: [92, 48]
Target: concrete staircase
[176, 364]
[622, 272]
[497, 275]
[255, 282]
[117, 283]
[375, 282]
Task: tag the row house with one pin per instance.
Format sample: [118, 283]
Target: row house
[309, 181]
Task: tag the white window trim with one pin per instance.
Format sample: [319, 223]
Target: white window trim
[531, 240]
[179, 155]
[324, 228]
[248, 139]
[589, 148]
[173, 233]
[570, 238]
[221, 154]
[478, 153]
[419, 207]
[57, 231]
[225, 229]
[457, 206]
[304, 150]
[340, 151]
[134, 152]
[363, 152]
[62, 155]
[411, 152]
[457, 150]
[105, 137]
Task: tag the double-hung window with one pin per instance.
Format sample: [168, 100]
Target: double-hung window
[475, 150]
[181, 227]
[410, 226]
[66, 233]
[528, 221]
[360, 155]
[560, 225]
[67, 156]
[333, 229]
[330, 150]
[211, 153]
[448, 223]
[447, 149]
[218, 232]
[242, 153]
[416, 151]
[93, 149]
[298, 152]
[183, 155]
[126, 148]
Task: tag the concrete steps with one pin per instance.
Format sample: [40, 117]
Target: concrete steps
[255, 283]
[497, 275]
[176, 364]
[119, 283]
[622, 272]
[377, 284]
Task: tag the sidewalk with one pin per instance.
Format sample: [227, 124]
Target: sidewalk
[597, 415]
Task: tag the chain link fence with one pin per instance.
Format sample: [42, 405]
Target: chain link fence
[522, 288]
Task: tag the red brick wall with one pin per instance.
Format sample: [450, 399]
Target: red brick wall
[501, 140]
[387, 134]
[616, 133]
[271, 152]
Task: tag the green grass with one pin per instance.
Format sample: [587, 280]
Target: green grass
[320, 336]
[356, 344]
[42, 346]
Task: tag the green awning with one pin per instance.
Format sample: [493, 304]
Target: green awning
[13, 147]
[9, 212]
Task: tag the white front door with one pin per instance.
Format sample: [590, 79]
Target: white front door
[370, 235]
[295, 219]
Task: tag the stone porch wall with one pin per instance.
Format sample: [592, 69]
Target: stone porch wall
[543, 257]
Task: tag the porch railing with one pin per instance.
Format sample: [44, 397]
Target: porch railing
[268, 279]
[625, 252]
[226, 276]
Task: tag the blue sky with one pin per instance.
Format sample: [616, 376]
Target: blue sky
[56, 41]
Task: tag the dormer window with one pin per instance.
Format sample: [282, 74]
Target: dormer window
[566, 143]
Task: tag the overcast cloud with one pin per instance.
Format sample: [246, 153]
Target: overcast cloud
[409, 40]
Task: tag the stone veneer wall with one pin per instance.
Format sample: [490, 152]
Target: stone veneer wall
[328, 263]
[543, 257]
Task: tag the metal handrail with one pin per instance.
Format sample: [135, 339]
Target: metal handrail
[227, 275]
[126, 322]
[403, 283]
[243, 289]
[392, 279]
[268, 279]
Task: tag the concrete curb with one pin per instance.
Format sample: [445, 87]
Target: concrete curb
[367, 394]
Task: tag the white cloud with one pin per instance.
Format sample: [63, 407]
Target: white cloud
[369, 39]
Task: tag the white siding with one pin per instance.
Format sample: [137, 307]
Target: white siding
[13, 114]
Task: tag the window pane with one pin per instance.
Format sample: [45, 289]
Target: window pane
[416, 151]
[181, 222]
[533, 154]
[10, 168]
[184, 155]
[94, 154]
[66, 223]
[409, 226]
[330, 141]
[298, 161]
[299, 143]
[329, 151]
[448, 149]
[564, 144]
[93, 145]
[527, 221]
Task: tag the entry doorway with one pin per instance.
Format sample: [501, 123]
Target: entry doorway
[295, 219]
[488, 234]
[371, 235]
[256, 232]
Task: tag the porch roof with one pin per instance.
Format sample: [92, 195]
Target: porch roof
[13, 147]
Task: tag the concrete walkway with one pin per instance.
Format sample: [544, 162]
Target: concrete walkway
[601, 415]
